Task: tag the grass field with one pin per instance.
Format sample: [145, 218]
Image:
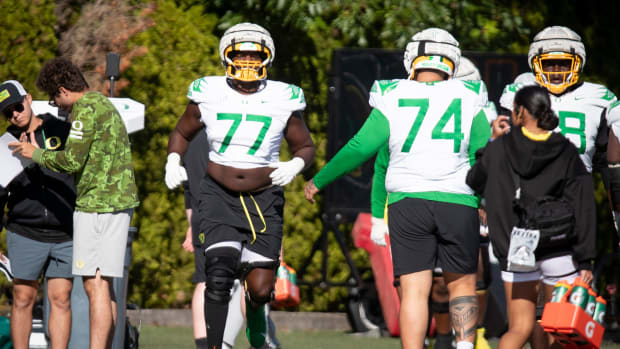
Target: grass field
[181, 337]
[153, 337]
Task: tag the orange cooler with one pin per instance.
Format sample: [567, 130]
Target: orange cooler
[287, 291]
[568, 321]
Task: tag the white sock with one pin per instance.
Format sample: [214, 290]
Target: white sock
[234, 320]
[464, 345]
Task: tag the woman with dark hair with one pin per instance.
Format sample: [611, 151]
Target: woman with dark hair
[546, 164]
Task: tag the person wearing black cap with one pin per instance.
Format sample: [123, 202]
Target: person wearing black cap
[39, 227]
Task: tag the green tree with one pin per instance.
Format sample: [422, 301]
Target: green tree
[27, 40]
[178, 48]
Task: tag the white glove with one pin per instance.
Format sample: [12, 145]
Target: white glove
[286, 171]
[378, 231]
[616, 215]
[175, 173]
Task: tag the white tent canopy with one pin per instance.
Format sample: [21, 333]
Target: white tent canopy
[132, 112]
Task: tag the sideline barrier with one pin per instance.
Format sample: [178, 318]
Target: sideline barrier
[381, 262]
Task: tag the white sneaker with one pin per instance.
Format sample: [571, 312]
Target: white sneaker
[5, 267]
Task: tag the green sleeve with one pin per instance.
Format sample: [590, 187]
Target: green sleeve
[378, 194]
[77, 146]
[479, 136]
[374, 134]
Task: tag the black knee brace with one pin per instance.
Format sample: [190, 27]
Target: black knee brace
[222, 266]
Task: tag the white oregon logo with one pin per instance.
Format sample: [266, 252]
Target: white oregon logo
[76, 130]
[590, 329]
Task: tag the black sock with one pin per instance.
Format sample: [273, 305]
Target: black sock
[201, 343]
[216, 322]
[443, 341]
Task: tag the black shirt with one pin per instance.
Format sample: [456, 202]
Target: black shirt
[551, 167]
[40, 201]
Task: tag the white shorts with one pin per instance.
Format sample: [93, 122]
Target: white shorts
[550, 271]
[99, 242]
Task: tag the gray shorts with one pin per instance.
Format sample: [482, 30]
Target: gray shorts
[31, 258]
[99, 242]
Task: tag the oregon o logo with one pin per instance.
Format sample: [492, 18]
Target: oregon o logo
[53, 143]
[79, 264]
[76, 130]
[590, 329]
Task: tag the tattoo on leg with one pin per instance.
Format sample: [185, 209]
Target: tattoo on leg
[464, 315]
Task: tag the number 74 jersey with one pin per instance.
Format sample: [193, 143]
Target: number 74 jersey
[245, 131]
[435, 129]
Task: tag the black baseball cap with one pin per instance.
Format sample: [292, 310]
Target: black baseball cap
[11, 92]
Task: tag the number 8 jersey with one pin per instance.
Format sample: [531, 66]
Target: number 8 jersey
[244, 131]
[579, 110]
[435, 129]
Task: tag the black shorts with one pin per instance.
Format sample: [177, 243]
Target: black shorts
[426, 234]
[198, 239]
[223, 217]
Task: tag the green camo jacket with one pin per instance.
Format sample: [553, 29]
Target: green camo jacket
[98, 153]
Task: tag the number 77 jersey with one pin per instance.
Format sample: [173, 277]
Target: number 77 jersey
[435, 129]
[245, 130]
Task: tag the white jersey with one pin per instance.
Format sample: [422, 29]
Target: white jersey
[579, 111]
[430, 126]
[613, 118]
[244, 131]
[490, 111]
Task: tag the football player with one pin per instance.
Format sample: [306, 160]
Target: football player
[433, 125]
[613, 160]
[466, 70]
[557, 57]
[241, 198]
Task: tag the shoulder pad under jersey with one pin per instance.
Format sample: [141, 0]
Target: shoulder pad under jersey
[286, 95]
[613, 114]
[379, 89]
[206, 88]
[595, 94]
[478, 87]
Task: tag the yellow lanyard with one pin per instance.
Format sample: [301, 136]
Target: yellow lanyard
[247, 215]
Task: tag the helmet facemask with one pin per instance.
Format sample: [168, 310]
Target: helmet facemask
[243, 69]
[544, 77]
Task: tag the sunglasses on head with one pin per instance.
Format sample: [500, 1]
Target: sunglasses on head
[8, 111]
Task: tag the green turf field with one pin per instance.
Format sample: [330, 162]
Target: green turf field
[152, 337]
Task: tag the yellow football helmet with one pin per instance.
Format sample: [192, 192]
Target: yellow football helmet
[246, 37]
[557, 44]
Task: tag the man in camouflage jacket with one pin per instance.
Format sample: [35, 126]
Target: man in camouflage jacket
[97, 152]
